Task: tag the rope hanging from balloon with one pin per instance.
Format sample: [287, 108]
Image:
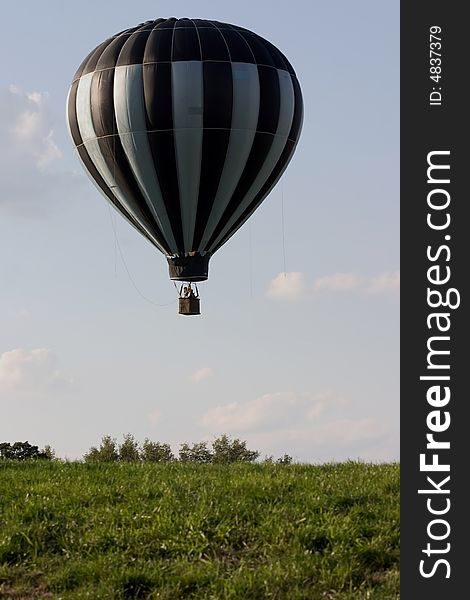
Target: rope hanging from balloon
[283, 230]
[116, 240]
[118, 245]
[250, 257]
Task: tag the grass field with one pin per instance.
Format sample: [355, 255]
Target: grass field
[214, 532]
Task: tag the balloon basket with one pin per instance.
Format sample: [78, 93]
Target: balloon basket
[189, 306]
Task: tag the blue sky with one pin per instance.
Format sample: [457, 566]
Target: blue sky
[297, 347]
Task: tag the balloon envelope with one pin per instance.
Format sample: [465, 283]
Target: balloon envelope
[185, 125]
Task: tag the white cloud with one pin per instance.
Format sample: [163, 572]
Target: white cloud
[31, 370]
[339, 282]
[35, 97]
[313, 426]
[269, 410]
[26, 127]
[50, 151]
[21, 313]
[202, 374]
[31, 173]
[292, 286]
[30, 129]
[347, 430]
[287, 285]
[337, 439]
[154, 416]
[384, 283]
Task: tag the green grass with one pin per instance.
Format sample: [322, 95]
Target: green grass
[121, 531]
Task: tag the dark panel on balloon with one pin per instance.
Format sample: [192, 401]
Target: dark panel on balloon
[270, 100]
[218, 94]
[157, 96]
[236, 27]
[239, 49]
[159, 43]
[202, 23]
[214, 151]
[278, 58]
[221, 25]
[272, 179]
[280, 165]
[213, 46]
[162, 145]
[132, 52]
[185, 42]
[267, 125]
[298, 111]
[156, 23]
[168, 23]
[259, 151]
[217, 119]
[89, 64]
[149, 25]
[289, 67]
[102, 114]
[109, 57]
[130, 30]
[102, 103]
[116, 160]
[262, 55]
[105, 189]
[72, 114]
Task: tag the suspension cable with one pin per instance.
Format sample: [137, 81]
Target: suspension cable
[127, 268]
[283, 229]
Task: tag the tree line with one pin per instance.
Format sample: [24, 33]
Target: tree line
[25, 451]
[223, 450]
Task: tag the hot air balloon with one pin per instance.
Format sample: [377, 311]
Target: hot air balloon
[185, 125]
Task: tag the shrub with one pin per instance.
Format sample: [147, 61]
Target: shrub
[129, 449]
[197, 453]
[226, 451]
[49, 452]
[21, 451]
[107, 452]
[156, 452]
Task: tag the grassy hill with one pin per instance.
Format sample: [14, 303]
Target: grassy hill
[214, 532]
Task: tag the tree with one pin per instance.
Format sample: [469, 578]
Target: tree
[226, 451]
[197, 453]
[284, 460]
[21, 451]
[5, 450]
[49, 452]
[107, 451]
[156, 452]
[129, 449]
[92, 456]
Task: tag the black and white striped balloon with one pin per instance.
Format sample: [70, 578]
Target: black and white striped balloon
[185, 125]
